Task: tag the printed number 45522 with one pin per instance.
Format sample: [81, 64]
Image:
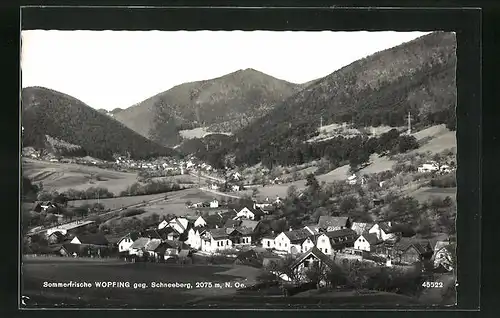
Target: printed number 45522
[432, 284]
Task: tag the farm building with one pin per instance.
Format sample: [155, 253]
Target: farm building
[313, 258]
[216, 239]
[291, 241]
[408, 251]
[268, 241]
[253, 213]
[330, 242]
[125, 242]
[383, 231]
[360, 227]
[332, 223]
[367, 242]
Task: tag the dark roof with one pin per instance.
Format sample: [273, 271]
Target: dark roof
[57, 234]
[256, 211]
[297, 236]
[384, 226]
[270, 236]
[318, 254]
[252, 225]
[132, 235]
[93, 239]
[420, 246]
[371, 238]
[219, 233]
[340, 233]
[232, 223]
[72, 248]
[326, 221]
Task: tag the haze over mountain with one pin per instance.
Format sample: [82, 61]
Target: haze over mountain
[417, 77]
[48, 112]
[223, 104]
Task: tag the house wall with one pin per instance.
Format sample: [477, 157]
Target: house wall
[195, 240]
[200, 222]
[216, 245]
[162, 224]
[125, 244]
[295, 248]
[245, 213]
[307, 245]
[362, 244]
[282, 243]
[324, 245]
[214, 204]
[170, 252]
[268, 243]
[75, 240]
[410, 256]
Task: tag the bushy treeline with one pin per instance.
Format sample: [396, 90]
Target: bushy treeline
[416, 77]
[47, 112]
[152, 187]
[338, 150]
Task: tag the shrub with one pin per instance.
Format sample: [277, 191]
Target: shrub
[131, 212]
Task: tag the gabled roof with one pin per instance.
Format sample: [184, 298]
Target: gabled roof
[232, 223]
[371, 238]
[219, 233]
[384, 226]
[57, 234]
[93, 239]
[140, 243]
[256, 212]
[132, 235]
[420, 246]
[361, 227]
[252, 225]
[327, 221]
[152, 245]
[318, 254]
[340, 233]
[297, 236]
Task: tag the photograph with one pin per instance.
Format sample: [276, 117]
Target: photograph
[238, 169]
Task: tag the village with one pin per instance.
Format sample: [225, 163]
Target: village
[238, 235]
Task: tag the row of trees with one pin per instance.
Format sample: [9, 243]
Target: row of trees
[152, 187]
[352, 274]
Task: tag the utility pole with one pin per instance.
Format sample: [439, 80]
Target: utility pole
[409, 123]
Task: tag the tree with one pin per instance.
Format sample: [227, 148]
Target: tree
[255, 192]
[292, 192]
[312, 183]
[348, 204]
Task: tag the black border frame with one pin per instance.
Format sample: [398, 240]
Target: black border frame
[465, 22]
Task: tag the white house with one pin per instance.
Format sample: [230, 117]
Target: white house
[214, 203]
[366, 242]
[382, 231]
[313, 228]
[179, 224]
[125, 242]
[268, 241]
[278, 200]
[312, 259]
[215, 240]
[442, 256]
[236, 176]
[214, 187]
[162, 224]
[331, 241]
[235, 188]
[250, 213]
[194, 238]
[307, 245]
[291, 241]
[428, 167]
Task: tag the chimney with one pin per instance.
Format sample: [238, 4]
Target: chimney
[290, 229]
[216, 226]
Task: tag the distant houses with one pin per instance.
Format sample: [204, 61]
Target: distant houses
[332, 223]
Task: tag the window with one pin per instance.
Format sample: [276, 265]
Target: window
[268, 243]
[286, 245]
[322, 240]
[279, 244]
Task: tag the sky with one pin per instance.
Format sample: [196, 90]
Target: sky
[110, 69]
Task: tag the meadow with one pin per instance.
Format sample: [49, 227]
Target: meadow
[37, 271]
[63, 176]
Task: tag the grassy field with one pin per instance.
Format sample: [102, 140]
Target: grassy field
[120, 202]
[63, 176]
[177, 205]
[199, 132]
[426, 193]
[37, 271]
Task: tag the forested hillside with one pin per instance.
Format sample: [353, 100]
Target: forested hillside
[223, 104]
[47, 112]
[416, 77]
